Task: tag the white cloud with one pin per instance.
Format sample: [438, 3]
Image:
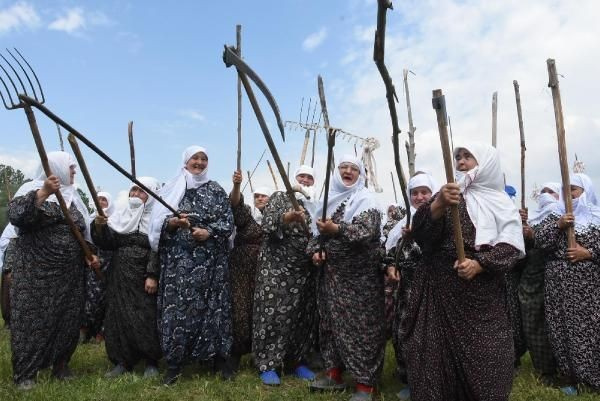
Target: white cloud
[192, 114]
[314, 40]
[27, 162]
[76, 20]
[17, 16]
[471, 49]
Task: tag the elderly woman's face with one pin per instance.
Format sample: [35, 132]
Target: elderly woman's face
[419, 196]
[465, 160]
[260, 201]
[576, 191]
[103, 202]
[349, 173]
[305, 179]
[547, 190]
[197, 163]
[138, 192]
[72, 174]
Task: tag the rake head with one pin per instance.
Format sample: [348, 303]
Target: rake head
[15, 81]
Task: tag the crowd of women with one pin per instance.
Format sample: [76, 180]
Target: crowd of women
[225, 277]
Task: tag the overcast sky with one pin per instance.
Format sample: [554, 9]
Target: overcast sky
[159, 64]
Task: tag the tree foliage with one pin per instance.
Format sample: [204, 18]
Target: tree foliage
[10, 180]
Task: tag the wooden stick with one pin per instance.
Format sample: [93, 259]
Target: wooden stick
[314, 143]
[288, 169]
[304, 146]
[562, 145]
[60, 138]
[394, 186]
[250, 181]
[131, 147]
[494, 118]
[87, 252]
[86, 174]
[410, 144]
[254, 170]
[238, 37]
[439, 104]
[273, 175]
[523, 148]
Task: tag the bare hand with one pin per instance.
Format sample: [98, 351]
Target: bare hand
[449, 194]
[327, 227]
[567, 220]
[392, 273]
[578, 254]
[468, 269]
[293, 216]
[150, 285]
[406, 231]
[319, 258]
[528, 232]
[176, 222]
[100, 220]
[237, 177]
[94, 263]
[51, 185]
[200, 234]
[524, 213]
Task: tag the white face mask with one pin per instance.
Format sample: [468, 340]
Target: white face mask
[135, 202]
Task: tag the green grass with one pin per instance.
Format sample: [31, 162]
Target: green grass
[89, 365]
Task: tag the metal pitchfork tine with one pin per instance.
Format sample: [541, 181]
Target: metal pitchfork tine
[41, 99]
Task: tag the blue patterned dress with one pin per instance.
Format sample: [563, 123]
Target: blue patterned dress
[194, 300]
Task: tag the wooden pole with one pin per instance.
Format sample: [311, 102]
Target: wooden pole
[439, 104]
[87, 252]
[238, 37]
[410, 144]
[131, 147]
[304, 147]
[562, 145]
[288, 169]
[494, 118]
[522, 135]
[60, 138]
[314, 143]
[394, 186]
[86, 174]
[250, 181]
[273, 175]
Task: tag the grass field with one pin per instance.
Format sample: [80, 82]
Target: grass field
[89, 365]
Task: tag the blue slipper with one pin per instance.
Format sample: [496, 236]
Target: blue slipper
[404, 394]
[569, 390]
[270, 378]
[304, 373]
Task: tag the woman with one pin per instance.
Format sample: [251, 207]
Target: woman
[457, 332]
[7, 259]
[130, 324]
[95, 287]
[47, 292]
[401, 264]
[243, 259]
[351, 294]
[284, 298]
[531, 286]
[194, 300]
[572, 282]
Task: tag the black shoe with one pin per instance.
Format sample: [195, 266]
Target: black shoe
[171, 376]
[62, 372]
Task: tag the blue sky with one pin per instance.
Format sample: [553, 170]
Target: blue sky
[104, 63]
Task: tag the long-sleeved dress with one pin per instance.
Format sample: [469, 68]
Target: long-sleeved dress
[457, 332]
[9, 260]
[572, 302]
[243, 260]
[194, 298]
[130, 325]
[531, 298]
[351, 297]
[94, 309]
[406, 261]
[284, 298]
[47, 292]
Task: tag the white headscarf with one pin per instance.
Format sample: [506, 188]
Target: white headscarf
[357, 197]
[547, 204]
[256, 213]
[110, 209]
[136, 215]
[310, 205]
[419, 180]
[60, 164]
[585, 208]
[8, 234]
[494, 215]
[173, 192]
